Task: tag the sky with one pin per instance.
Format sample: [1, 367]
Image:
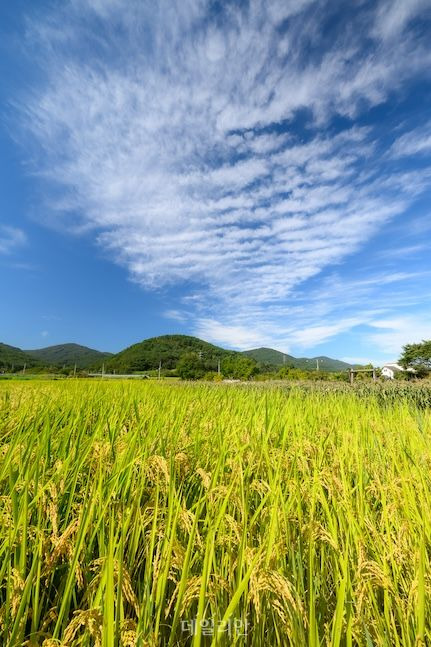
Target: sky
[255, 173]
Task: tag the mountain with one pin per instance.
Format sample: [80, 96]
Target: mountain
[15, 357]
[167, 349]
[270, 356]
[325, 364]
[69, 355]
[147, 355]
[276, 358]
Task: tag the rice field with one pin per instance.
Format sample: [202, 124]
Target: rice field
[190, 514]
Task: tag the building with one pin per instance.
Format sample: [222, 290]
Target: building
[390, 370]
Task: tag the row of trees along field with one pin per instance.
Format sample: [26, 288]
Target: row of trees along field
[217, 364]
[192, 366]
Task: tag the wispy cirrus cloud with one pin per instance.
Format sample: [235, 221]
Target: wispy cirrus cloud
[393, 15]
[336, 306]
[391, 334]
[415, 142]
[11, 238]
[174, 135]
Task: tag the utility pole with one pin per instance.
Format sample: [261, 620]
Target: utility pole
[160, 368]
[218, 367]
[317, 363]
[103, 370]
[284, 359]
[23, 370]
[74, 371]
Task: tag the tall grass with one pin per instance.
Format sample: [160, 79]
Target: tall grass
[295, 518]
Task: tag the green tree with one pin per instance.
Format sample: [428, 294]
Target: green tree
[239, 367]
[190, 367]
[417, 356]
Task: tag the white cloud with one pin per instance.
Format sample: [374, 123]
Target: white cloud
[314, 335]
[360, 360]
[415, 142]
[394, 15]
[162, 130]
[241, 337]
[11, 238]
[340, 305]
[399, 331]
[176, 315]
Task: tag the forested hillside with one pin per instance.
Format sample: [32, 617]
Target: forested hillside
[13, 358]
[272, 357]
[167, 349]
[69, 355]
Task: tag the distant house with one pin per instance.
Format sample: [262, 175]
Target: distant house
[390, 370]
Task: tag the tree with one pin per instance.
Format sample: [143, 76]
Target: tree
[190, 367]
[417, 356]
[239, 367]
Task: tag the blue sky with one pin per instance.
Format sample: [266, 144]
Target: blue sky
[253, 173]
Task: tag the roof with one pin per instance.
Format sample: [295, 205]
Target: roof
[393, 366]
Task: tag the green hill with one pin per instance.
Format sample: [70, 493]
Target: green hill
[270, 356]
[325, 364]
[69, 355]
[167, 349]
[10, 357]
[276, 358]
[147, 355]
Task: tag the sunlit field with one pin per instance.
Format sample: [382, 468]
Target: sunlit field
[189, 514]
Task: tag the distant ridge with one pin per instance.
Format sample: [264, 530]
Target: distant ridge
[69, 355]
[167, 349]
[278, 359]
[270, 356]
[10, 356]
[147, 355]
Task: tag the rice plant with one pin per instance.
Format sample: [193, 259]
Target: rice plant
[189, 514]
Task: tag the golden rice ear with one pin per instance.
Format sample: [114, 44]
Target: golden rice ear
[205, 477]
[127, 589]
[17, 590]
[182, 463]
[129, 635]
[157, 469]
[90, 620]
[192, 593]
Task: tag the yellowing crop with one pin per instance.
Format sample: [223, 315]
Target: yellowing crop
[173, 514]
